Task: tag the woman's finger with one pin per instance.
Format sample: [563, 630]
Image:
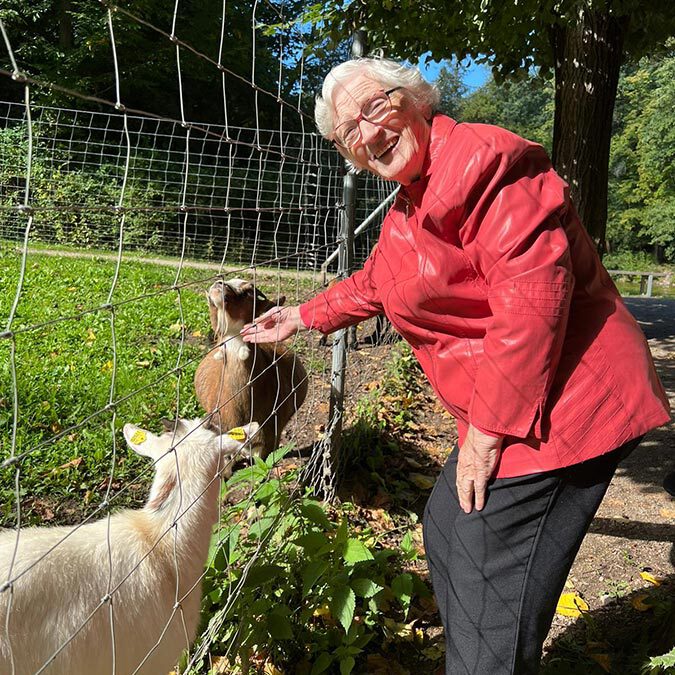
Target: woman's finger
[480, 490]
[465, 492]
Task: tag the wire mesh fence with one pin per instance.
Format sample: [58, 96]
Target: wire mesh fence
[250, 196]
[95, 334]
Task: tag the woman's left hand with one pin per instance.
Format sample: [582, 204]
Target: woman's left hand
[475, 465]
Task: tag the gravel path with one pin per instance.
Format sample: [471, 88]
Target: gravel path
[634, 529]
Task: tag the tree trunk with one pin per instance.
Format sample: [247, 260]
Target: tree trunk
[587, 56]
[65, 25]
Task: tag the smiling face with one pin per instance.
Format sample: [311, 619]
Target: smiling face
[395, 148]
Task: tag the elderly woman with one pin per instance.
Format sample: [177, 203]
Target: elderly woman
[483, 267]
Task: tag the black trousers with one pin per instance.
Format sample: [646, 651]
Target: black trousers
[498, 573]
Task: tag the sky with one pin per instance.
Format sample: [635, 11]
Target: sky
[474, 77]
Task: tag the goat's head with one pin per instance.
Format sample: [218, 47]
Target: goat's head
[187, 451]
[234, 303]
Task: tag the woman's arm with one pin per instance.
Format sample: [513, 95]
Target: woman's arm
[351, 300]
[513, 235]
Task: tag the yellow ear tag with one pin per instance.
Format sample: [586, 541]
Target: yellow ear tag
[237, 434]
[139, 437]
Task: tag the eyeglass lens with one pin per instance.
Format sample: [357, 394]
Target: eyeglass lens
[374, 110]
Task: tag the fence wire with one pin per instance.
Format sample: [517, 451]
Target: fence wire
[137, 188]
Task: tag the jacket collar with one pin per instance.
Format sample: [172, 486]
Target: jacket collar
[441, 128]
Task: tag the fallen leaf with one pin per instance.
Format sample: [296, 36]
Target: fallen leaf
[220, 665]
[650, 578]
[412, 462]
[434, 652]
[639, 603]
[423, 482]
[69, 465]
[603, 661]
[197, 333]
[322, 611]
[571, 604]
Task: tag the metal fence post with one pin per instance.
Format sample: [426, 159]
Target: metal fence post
[340, 338]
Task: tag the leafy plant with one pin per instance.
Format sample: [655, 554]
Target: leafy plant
[290, 581]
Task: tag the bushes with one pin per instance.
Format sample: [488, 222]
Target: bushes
[291, 582]
[75, 206]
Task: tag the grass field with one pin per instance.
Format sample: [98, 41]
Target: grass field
[74, 355]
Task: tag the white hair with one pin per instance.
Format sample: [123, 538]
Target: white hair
[388, 73]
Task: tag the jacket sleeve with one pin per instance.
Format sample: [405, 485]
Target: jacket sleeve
[351, 300]
[513, 236]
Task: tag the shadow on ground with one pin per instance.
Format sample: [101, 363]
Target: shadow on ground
[619, 637]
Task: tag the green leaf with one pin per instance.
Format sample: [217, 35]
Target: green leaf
[402, 588]
[311, 542]
[408, 546]
[250, 474]
[261, 574]
[347, 665]
[267, 490]
[342, 533]
[260, 464]
[314, 513]
[321, 664]
[356, 551]
[311, 574]
[365, 588]
[664, 661]
[343, 605]
[277, 455]
[279, 626]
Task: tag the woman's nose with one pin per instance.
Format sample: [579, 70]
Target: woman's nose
[369, 131]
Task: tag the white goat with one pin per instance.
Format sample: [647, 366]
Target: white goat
[142, 569]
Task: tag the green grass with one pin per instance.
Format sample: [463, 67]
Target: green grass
[67, 370]
[630, 286]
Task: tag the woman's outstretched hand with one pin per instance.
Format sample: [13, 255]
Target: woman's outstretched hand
[475, 465]
[274, 325]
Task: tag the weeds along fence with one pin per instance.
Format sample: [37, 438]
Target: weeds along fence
[94, 335]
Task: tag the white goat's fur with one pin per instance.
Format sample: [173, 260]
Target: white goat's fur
[158, 555]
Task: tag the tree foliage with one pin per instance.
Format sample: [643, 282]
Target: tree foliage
[524, 106]
[68, 43]
[512, 38]
[641, 176]
[582, 41]
[642, 173]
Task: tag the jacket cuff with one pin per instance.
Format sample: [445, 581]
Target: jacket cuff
[313, 315]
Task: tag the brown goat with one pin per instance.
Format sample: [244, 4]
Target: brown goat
[240, 383]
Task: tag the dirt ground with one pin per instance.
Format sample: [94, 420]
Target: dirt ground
[634, 530]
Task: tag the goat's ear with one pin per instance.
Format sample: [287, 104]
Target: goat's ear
[143, 442]
[178, 426]
[263, 305]
[235, 439]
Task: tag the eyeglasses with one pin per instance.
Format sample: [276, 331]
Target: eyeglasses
[375, 110]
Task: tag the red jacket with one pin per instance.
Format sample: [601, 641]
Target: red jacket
[483, 267]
